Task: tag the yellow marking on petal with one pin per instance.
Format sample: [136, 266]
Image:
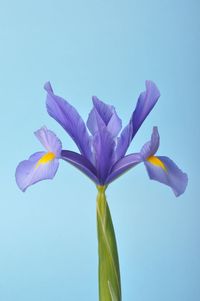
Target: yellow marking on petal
[45, 159]
[157, 162]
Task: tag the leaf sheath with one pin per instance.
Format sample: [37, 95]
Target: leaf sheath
[109, 273]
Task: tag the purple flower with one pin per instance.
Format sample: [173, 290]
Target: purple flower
[102, 154]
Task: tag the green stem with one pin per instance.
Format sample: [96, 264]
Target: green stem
[109, 273]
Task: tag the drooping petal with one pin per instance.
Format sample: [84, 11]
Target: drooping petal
[35, 169]
[151, 147]
[107, 116]
[123, 165]
[81, 163]
[36, 156]
[49, 140]
[170, 174]
[67, 116]
[145, 104]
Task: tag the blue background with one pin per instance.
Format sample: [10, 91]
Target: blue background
[48, 247]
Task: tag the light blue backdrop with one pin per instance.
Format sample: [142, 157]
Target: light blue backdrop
[48, 247]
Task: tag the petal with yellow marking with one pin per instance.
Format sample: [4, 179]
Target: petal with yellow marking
[45, 159]
[156, 162]
[174, 177]
[28, 174]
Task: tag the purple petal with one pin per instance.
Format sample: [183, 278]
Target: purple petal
[123, 165]
[49, 140]
[36, 156]
[115, 124]
[172, 177]
[124, 141]
[145, 104]
[94, 121]
[69, 119]
[151, 147]
[81, 163]
[28, 173]
[105, 114]
[103, 145]
[104, 110]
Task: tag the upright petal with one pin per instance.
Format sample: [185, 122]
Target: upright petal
[94, 121]
[107, 116]
[171, 175]
[103, 145]
[114, 125]
[124, 141]
[35, 169]
[145, 104]
[70, 120]
[104, 110]
[122, 166]
[81, 163]
[49, 140]
[151, 147]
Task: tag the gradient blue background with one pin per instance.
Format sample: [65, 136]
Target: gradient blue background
[48, 247]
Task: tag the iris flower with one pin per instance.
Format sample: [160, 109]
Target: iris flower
[102, 157]
[103, 151]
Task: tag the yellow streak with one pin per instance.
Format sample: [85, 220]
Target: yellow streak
[157, 162]
[45, 159]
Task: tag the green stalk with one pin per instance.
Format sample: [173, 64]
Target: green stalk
[109, 273]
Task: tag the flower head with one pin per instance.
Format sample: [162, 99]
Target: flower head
[102, 148]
